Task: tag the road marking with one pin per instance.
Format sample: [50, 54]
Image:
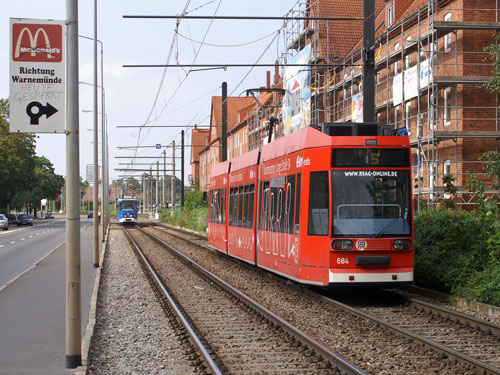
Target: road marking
[37, 234]
[22, 239]
[2, 245]
[31, 236]
[12, 241]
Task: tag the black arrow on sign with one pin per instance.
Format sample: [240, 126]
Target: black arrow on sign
[47, 110]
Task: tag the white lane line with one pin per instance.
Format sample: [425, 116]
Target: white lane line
[2, 245]
[37, 234]
[22, 239]
[12, 241]
[31, 236]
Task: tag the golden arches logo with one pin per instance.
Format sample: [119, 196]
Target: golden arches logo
[44, 42]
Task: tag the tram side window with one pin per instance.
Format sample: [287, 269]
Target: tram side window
[251, 189]
[290, 203]
[232, 218]
[297, 204]
[240, 206]
[264, 204]
[244, 223]
[273, 198]
[280, 205]
[222, 200]
[318, 204]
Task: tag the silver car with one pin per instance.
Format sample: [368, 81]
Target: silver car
[4, 223]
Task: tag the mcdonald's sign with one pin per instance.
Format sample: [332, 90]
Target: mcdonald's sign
[37, 42]
[37, 94]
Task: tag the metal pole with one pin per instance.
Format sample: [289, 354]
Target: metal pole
[182, 169]
[173, 175]
[157, 185]
[224, 122]
[103, 152]
[96, 155]
[369, 61]
[164, 177]
[143, 193]
[73, 299]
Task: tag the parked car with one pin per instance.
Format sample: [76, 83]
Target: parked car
[4, 222]
[12, 218]
[25, 219]
[49, 215]
[90, 215]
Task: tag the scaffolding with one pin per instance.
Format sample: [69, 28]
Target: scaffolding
[431, 70]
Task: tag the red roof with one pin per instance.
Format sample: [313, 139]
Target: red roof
[234, 105]
[198, 141]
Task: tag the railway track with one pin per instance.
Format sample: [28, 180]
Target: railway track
[473, 342]
[232, 333]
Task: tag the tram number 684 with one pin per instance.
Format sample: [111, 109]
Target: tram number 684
[342, 260]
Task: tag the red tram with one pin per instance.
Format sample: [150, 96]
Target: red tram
[327, 205]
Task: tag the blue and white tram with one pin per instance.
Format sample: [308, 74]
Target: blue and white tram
[127, 210]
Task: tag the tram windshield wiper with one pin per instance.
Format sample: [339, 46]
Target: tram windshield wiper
[384, 229]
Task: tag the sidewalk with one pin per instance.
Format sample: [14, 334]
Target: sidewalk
[32, 312]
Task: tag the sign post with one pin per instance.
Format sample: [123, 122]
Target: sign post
[37, 76]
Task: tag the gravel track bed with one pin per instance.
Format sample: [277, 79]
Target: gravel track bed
[242, 340]
[462, 309]
[468, 340]
[372, 348]
[132, 334]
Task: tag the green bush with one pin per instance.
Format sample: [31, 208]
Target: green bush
[450, 248]
[196, 219]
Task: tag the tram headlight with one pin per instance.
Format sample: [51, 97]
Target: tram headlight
[401, 244]
[342, 244]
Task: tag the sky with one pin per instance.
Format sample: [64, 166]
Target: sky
[136, 96]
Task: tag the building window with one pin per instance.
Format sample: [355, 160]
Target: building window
[447, 167]
[390, 16]
[396, 64]
[447, 106]
[396, 115]
[408, 116]
[447, 37]
[407, 55]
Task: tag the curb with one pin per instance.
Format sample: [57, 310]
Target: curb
[90, 328]
[457, 301]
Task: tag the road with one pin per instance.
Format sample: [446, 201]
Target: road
[21, 247]
[32, 304]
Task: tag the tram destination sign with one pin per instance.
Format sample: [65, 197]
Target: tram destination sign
[37, 79]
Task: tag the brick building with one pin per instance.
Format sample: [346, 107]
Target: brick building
[431, 68]
[430, 74]
[199, 139]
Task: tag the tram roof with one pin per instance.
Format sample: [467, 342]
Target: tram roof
[245, 160]
[307, 137]
[220, 169]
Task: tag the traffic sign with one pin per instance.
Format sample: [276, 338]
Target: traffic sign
[37, 76]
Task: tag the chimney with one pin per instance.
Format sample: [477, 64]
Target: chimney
[276, 73]
[268, 79]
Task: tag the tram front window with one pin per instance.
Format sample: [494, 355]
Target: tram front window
[129, 205]
[371, 203]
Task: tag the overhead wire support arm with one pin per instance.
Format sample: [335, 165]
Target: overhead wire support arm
[168, 126]
[259, 18]
[232, 65]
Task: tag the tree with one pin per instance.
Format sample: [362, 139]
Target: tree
[26, 178]
[17, 159]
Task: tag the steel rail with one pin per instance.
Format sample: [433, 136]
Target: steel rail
[192, 334]
[484, 325]
[472, 321]
[485, 368]
[302, 337]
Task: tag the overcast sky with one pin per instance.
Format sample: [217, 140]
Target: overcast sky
[131, 92]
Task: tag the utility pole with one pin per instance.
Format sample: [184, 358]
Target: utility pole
[73, 287]
[157, 186]
[173, 175]
[164, 176]
[224, 122]
[182, 168]
[96, 149]
[369, 61]
[143, 193]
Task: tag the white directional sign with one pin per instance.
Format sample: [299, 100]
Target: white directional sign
[37, 76]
